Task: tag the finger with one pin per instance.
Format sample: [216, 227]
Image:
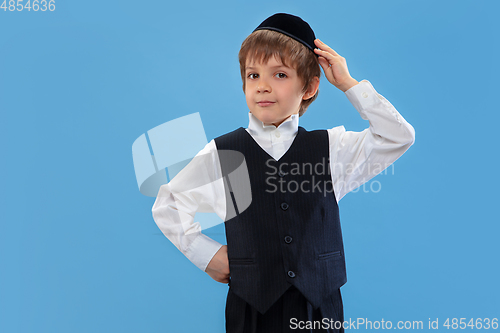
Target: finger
[325, 47]
[326, 68]
[330, 57]
[324, 63]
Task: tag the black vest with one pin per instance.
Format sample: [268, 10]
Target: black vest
[290, 233]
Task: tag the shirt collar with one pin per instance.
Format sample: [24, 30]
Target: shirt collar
[288, 128]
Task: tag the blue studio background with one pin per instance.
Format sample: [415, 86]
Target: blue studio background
[79, 250]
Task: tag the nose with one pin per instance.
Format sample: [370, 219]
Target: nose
[263, 86]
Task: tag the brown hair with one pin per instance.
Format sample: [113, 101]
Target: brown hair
[262, 44]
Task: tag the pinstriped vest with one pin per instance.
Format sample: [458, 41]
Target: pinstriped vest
[290, 234]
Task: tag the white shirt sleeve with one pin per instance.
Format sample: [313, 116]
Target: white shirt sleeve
[357, 157]
[198, 187]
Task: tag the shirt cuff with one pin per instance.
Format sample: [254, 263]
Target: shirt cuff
[202, 250]
[362, 96]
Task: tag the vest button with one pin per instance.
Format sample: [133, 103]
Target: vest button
[291, 274]
[288, 239]
[284, 206]
[281, 174]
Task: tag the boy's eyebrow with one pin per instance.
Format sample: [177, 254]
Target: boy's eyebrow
[277, 66]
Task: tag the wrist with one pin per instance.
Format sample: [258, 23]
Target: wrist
[348, 84]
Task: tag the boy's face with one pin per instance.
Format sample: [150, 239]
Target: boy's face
[273, 91]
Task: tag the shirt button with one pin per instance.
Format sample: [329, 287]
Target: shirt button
[284, 206]
[288, 239]
[277, 133]
[365, 95]
[281, 174]
[291, 274]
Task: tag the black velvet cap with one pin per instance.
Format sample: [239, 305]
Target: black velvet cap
[292, 26]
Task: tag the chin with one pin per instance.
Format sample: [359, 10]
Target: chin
[263, 118]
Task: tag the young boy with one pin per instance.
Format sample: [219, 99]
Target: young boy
[284, 259]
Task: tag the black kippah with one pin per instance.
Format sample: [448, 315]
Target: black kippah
[292, 26]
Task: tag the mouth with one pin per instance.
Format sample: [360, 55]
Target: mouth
[265, 103]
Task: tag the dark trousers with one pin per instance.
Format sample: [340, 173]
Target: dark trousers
[291, 313]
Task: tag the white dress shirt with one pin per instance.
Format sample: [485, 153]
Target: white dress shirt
[355, 158]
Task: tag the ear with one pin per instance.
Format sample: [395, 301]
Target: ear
[312, 89]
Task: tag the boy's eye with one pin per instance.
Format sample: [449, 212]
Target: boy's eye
[252, 76]
[281, 75]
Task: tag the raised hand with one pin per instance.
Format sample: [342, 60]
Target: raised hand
[334, 66]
